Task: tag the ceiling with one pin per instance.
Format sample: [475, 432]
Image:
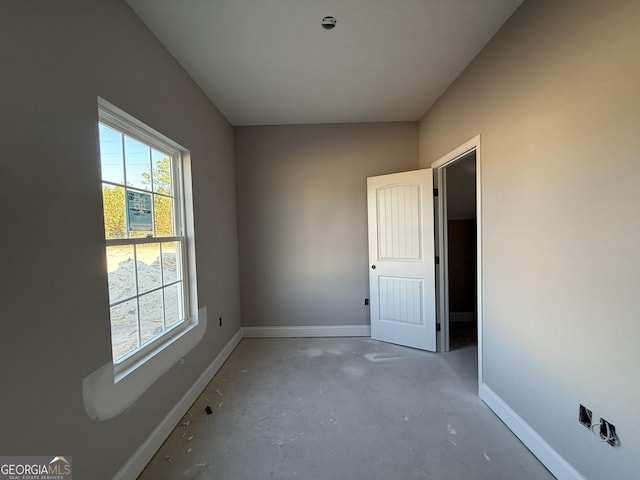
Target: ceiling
[271, 62]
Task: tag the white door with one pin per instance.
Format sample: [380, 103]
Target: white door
[401, 259]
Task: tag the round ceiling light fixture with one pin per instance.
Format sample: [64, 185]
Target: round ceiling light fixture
[329, 23]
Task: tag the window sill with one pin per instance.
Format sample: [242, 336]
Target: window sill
[106, 395]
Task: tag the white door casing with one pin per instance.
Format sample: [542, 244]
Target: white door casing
[474, 144]
[401, 259]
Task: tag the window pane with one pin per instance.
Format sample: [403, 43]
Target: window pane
[114, 212]
[151, 316]
[163, 215]
[138, 163]
[121, 272]
[124, 329]
[148, 267]
[170, 261]
[174, 310]
[111, 155]
[161, 172]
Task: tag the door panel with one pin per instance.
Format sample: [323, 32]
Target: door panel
[401, 256]
[397, 222]
[400, 300]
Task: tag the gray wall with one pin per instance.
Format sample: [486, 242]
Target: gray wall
[302, 217]
[57, 57]
[555, 97]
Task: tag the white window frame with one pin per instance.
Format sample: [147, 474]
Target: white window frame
[119, 120]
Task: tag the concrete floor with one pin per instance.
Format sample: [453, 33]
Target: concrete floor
[343, 408]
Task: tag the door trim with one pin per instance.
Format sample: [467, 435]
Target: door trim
[438, 167]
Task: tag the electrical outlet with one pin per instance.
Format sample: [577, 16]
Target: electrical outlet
[603, 430]
[585, 416]
[608, 432]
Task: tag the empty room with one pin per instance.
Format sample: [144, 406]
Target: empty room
[317, 239]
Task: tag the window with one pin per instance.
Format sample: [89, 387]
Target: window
[146, 243]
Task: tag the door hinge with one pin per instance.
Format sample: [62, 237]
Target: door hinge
[437, 327]
[435, 192]
[437, 260]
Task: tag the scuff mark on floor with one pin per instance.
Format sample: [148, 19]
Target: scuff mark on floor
[312, 352]
[381, 357]
[354, 371]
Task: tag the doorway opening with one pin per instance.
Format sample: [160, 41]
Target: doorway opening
[458, 247]
[460, 258]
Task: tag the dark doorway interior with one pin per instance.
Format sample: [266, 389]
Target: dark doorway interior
[461, 246]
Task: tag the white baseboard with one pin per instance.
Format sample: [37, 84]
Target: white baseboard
[315, 331]
[557, 465]
[136, 463]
